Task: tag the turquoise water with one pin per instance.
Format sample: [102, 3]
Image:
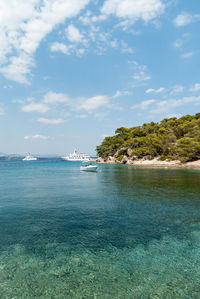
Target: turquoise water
[123, 232]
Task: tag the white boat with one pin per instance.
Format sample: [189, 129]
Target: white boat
[29, 158]
[76, 157]
[88, 167]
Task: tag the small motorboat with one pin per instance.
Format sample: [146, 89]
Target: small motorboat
[29, 158]
[87, 166]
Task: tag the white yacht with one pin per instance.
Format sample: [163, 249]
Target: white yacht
[87, 166]
[29, 158]
[76, 157]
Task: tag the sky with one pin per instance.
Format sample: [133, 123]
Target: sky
[73, 71]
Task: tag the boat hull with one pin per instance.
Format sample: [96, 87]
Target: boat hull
[33, 159]
[91, 168]
[74, 160]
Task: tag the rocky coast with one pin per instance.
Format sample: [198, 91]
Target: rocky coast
[156, 162]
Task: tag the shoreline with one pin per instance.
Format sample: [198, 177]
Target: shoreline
[153, 163]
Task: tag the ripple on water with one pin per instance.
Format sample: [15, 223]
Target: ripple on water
[124, 232]
[166, 268]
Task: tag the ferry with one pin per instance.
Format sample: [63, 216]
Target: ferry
[76, 157]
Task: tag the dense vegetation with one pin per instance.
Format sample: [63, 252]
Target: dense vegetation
[174, 139]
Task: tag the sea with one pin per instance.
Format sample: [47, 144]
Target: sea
[123, 232]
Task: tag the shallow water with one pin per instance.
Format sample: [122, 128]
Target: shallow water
[124, 232]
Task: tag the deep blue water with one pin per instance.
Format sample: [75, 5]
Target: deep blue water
[123, 232]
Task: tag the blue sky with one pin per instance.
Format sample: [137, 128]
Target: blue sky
[71, 72]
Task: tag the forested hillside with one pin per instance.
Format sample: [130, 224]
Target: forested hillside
[173, 139]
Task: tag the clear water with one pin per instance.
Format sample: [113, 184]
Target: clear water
[123, 232]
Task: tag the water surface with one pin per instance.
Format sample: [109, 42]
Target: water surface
[124, 232]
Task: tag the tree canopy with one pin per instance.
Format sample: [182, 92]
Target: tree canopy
[172, 138]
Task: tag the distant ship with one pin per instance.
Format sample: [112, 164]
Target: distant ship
[76, 157]
[29, 158]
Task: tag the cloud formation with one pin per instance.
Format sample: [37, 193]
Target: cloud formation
[120, 93]
[169, 105]
[145, 10]
[144, 104]
[180, 42]
[185, 18]
[152, 90]
[177, 89]
[35, 107]
[93, 103]
[37, 136]
[23, 25]
[50, 121]
[165, 107]
[140, 72]
[196, 87]
[187, 55]
[60, 47]
[73, 34]
[62, 104]
[55, 98]
[1, 111]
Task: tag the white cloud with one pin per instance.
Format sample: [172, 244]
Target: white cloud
[140, 72]
[67, 49]
[60, 47]
[166, 106]
[23, 25]
[54, 98]
[50, 121]
[98, 18]
[18, 68]
[8, 86]
[73, 34]
[37, 136]
[180, 42]
[80, 52]
[152, 90]
[185, 18]
[35, 107]
[92, 38]
[187, 55]
[133, 9]
[93, 103]
[99, 101]
[144, 105]
[59, 100]
[121, 93]
[126, 48]
[2, 111]
[128, 11]
[177, 89]
[196, 87]
[179, 45]
[161, 89]
[88, 18]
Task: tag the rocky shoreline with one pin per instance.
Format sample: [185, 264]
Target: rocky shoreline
[156, 162]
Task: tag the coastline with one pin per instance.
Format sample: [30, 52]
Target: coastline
[152, 163]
